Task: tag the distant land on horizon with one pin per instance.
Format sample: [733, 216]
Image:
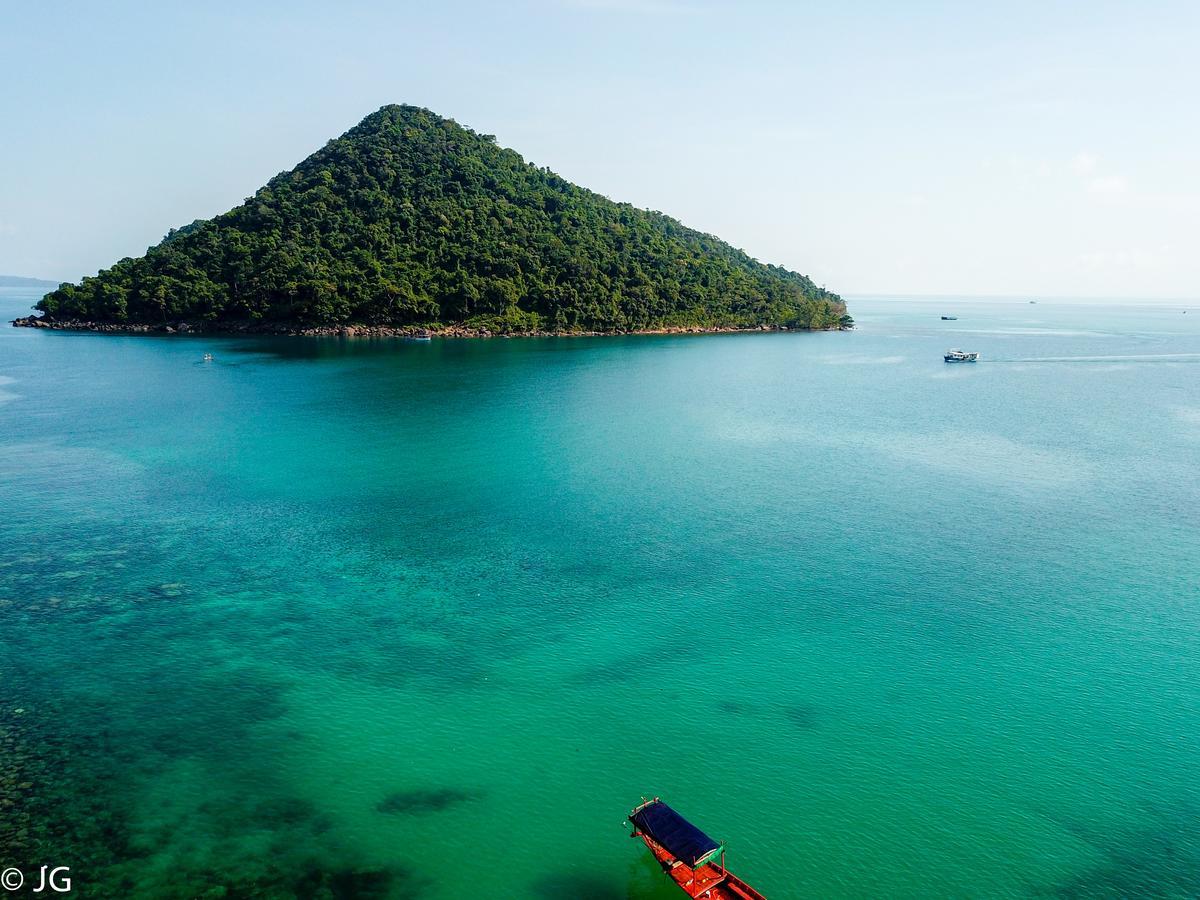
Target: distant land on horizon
[1049, 299]
[411, 223]
[24, 281]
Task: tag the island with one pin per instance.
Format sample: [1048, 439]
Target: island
[22, 281]
[410, 223]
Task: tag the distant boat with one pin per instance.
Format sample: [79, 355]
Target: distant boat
[949, 318]
[1033, 301]
[693, 860]
[208, 357]
[961, 356]
[422, 337]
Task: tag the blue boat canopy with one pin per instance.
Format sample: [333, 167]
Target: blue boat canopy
[681, 838]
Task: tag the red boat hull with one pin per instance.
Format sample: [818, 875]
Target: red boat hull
[708, 882]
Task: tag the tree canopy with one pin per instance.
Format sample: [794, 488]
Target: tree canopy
[412, 219]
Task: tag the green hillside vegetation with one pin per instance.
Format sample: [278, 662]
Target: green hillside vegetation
[411, 219]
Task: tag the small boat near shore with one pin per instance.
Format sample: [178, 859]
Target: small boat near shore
[693, 860]
[957, 356]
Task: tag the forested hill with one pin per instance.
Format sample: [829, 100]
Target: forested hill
[411, 219]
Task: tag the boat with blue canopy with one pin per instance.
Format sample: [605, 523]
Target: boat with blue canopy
[957, 356]
[692, 859]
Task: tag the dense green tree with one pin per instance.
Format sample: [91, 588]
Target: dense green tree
[411, 219]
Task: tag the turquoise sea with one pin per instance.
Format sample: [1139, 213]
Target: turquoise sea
[355, 618]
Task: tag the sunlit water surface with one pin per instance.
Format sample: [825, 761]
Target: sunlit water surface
[360, 618]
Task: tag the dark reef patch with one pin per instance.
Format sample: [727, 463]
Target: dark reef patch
[356, 884]
[74, 768]
[54, 804]
[420, 801]
[1161, 860]
[392, 662]
[207, 715]
[302, 880]
[578, 887]
[283, 812]
[119, 676]
[630, 665]
[803, 715]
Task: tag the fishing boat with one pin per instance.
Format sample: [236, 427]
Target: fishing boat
[961, 356]
[208, 357]
[693, 860]
[949, 318]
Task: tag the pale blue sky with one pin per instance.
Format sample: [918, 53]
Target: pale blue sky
[924, 147]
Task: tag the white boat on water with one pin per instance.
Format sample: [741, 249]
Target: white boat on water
[961, 356]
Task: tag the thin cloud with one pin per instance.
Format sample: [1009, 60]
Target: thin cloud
[1109, 185]
[1084, 164]
[1086, 167]
[1130, 258]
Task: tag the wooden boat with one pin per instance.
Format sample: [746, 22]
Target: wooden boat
[692, 859]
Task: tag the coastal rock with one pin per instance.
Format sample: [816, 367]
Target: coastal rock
[369, 331]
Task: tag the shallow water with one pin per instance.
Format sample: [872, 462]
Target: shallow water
[364, 618]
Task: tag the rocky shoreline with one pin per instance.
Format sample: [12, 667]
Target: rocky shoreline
[387, 331]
